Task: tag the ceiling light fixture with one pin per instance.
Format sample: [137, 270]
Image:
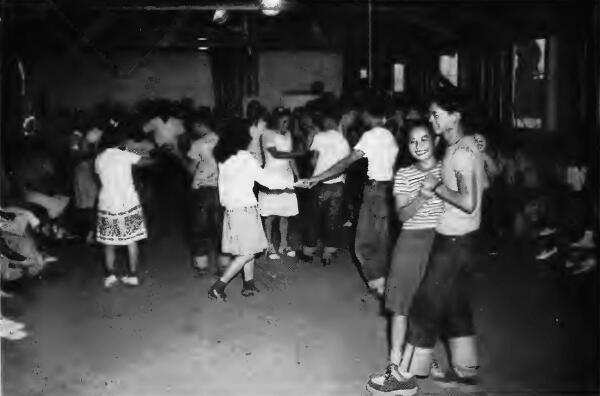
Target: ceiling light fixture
[220, 16]
[202, 39]
[202, 48]
[270, 7]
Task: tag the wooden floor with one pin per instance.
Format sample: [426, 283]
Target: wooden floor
[312, 330]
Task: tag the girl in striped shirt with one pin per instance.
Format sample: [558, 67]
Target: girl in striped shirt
[419, 211]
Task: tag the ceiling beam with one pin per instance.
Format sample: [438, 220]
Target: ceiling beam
[242, 6]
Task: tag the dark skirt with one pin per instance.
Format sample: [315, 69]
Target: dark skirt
[409, 262]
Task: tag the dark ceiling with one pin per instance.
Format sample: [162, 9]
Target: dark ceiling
[107, 26]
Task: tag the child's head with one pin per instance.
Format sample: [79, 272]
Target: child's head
[421, 142]
[373, 113]
[258, 117]
[330, 119]
[280, 119]
[234, 137]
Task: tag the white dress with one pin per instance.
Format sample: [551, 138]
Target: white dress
[278, 172]
[120, 217]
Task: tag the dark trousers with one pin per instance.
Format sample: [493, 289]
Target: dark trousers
[372, 243]
[325, 209]
[440, 305]
[206, 221]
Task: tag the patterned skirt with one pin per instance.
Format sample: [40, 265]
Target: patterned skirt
[121, 228]
[243, 232]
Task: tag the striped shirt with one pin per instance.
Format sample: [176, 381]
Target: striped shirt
[408, 181]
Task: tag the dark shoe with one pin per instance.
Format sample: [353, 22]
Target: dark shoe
[10, 254]
[249, 289]
[453, 378]
[217, 291]
[392, 383]
[326, 261]
[7, 215]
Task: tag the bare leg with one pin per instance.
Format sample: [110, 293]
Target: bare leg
[309, 250]
[134, 258]
[283, 229]
[249, 270]
[201, 262]
[109, 259]
[223, 260]
[398, 336]
[235, 266]
[269, 231]
[328, 252]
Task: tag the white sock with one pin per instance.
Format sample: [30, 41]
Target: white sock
[405, 374]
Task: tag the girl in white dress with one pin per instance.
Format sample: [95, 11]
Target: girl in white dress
[281, 171]
[243, 233]
[120, 219]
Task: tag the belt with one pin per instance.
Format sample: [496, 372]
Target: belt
[371, 182]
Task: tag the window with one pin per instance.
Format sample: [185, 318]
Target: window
[529, 77]
[449, 67]
[398, 77]
[364, 74]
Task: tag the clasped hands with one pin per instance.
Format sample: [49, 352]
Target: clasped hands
[429, 184]
[306, 183]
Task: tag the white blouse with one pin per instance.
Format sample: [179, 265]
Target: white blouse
[237, 176]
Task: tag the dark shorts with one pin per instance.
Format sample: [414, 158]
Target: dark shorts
[206, 221]
[325, 210]
[441, 307]
[409, 262]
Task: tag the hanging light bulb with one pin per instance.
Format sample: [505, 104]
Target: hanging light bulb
[270, 7]
[220, 16]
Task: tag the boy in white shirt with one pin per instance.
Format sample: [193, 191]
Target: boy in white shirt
[372, 242]
[328, 147]
[206, 211]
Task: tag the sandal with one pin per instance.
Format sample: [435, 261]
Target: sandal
[249, 289]
[272, 253]
[288, 251]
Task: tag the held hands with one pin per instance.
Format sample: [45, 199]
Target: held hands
[426, 194]
[306, 183]
[430, 182]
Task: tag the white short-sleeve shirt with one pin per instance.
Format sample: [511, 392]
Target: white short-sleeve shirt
[236, 180]
[380, 148]
[332, 146]
[201, 151]
[117, 191]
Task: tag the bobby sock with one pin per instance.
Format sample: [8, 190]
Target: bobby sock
[220, 285]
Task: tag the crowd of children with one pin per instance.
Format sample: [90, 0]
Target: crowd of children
[415, 184]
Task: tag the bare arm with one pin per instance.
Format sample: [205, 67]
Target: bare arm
[407, 208]
[314, 158]
[295, 169]
[490, 165]
[465, 198]
[339, 167]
